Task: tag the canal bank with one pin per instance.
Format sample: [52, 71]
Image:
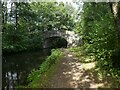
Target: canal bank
[17, 66]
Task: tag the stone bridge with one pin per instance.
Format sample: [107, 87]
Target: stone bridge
[71, 37]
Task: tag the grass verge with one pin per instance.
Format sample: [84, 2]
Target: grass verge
[39, 78]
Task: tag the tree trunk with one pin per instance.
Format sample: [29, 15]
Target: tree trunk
[115, 8]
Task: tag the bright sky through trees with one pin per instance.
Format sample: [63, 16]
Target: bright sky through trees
[69, 1]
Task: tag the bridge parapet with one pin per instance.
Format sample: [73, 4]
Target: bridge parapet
[53, 33]
[71, 37]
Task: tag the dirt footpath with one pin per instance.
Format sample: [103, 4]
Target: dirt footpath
[71, 73]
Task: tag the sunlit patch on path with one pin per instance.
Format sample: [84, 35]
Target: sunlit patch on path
[72, 73]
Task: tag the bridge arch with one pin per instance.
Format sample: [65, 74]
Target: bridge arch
[55, 42]
[71, 37]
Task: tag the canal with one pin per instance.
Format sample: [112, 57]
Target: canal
[16, 67]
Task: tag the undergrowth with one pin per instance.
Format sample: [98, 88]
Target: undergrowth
[39, 78]
[104, 66]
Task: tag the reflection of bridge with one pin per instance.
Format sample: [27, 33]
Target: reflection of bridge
[71, 37]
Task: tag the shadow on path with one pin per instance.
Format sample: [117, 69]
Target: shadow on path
[71, 73]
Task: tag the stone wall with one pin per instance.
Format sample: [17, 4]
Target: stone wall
[71, 37]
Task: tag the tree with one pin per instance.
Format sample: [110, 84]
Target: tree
[98, 29]
[25, 22]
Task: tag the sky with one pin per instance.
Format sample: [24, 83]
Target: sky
[70, 1]
[65, 0]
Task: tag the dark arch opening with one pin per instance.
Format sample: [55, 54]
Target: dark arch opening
[55, 42]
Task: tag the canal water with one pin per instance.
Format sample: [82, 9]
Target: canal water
[16, 67]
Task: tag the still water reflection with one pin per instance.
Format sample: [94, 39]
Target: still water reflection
[16, 67]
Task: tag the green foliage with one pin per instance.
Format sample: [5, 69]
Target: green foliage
[24, 23]
[38, 75]
[97, 27]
